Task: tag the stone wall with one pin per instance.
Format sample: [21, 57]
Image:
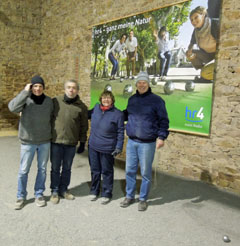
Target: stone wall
[55, 41]
[20, 32]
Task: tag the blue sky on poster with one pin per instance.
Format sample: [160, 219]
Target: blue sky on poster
[186, 29]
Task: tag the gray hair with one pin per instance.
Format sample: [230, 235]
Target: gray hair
[72, 81]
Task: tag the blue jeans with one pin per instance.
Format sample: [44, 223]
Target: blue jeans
[114, 63]
[61, 156]
[165, 60]
[101, 164]
[27, 155]
[142, 153]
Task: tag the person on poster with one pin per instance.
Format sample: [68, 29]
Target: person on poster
[131, 47]
[164, 54]
[114, 54]
[69, 126]
[147, 128]
[34, 133]
[205, 36]
[105, 142]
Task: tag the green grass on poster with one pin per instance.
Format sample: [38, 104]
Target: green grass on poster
[176, 103]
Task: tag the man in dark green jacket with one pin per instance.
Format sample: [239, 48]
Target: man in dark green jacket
[70, 125]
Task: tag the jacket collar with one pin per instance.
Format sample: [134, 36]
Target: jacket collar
[149, 91]
[76, 100]
[69, 100]
[110, 108]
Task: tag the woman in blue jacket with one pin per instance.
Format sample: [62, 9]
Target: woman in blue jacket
[105, 142]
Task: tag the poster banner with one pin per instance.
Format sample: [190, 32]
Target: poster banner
[176, 45]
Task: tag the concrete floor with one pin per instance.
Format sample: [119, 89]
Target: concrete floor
[180, 212]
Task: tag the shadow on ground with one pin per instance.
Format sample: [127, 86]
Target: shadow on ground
[167, 188]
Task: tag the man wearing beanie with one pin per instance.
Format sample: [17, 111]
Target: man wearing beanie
[34, 133]
[147, 128]
[70, 125]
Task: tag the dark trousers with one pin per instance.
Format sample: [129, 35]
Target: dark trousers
[101, 164]
[61, 157]
[130, 55]
[202, 58]
[114, 63]
[165, 60]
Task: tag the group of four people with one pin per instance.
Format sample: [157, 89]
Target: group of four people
[56, 126]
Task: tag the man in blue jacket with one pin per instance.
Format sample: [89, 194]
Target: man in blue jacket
[147, 128]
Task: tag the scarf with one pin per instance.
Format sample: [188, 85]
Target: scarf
[70, 100]
[105, 108]
[204, 38]
[38, 99]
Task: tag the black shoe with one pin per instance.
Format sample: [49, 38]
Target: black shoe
[126, 202]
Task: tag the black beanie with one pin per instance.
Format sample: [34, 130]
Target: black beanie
[37, 80]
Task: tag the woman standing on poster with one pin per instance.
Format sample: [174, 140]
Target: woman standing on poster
[114, 54]
[205, 35]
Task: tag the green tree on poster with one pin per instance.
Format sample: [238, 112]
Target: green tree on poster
[105, 35]
[172, 18]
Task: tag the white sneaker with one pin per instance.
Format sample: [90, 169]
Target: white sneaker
[55, 198]
[19, 204]
[40, 201]
[93, 197]
[105, 200]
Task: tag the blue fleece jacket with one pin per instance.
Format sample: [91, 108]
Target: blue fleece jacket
[147, 117]
[107, 129]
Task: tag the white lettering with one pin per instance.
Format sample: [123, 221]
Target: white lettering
[200, 113]
[125, 25]
[197, 126]
[142, 21]
[111, 28]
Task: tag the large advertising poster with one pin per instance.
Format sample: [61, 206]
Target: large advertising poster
[176, 45]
